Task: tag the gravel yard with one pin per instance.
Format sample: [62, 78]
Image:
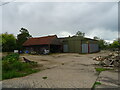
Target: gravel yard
[64, 70]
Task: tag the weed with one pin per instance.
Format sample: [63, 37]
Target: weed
[95, 84]
[102, 69]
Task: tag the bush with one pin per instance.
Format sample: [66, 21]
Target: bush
[6, 66]
[11, 57]
[12, 67]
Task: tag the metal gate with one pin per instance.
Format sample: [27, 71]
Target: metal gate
[65, 48]
[84, 48]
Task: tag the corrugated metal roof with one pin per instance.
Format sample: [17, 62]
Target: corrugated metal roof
[41, 40]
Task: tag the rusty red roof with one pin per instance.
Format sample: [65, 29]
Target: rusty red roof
[41, 41]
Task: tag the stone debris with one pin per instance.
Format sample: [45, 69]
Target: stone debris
[113, 59]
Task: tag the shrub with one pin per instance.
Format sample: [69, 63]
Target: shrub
[12, 67]
[11, 57]
[6, 66]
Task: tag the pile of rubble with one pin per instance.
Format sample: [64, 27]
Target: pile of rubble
[113, 59]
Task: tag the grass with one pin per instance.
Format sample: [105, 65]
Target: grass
[95, 84]
[99, 70]
[14, 73]
[12, 67]
[102, 69]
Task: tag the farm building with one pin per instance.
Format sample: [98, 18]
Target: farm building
[77, 44]
[74, 44]
[40, 44]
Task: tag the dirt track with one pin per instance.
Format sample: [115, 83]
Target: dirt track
[68, 70]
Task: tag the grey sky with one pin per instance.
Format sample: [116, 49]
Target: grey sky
[64, 19]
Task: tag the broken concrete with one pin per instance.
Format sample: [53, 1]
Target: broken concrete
[108, 79]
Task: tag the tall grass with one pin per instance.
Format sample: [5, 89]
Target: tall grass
[12, 67]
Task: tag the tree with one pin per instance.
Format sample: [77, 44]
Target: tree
[8, 42]
[79, 33]
[115, 44]
[96, 38]
[22, 37]
[101, 42]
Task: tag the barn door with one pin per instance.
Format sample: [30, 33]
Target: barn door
[84, 48]
[65, 48]
[93, 48]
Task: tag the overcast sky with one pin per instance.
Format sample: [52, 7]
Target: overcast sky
[63, 19]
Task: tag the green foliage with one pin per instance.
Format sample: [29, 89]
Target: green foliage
[14, 73]
[79, 33]
[102, 69]
[12, 67]
[101, 42]
[104, 45]
[22, 37]
[8, 42]
[10, 74]
[96, 83]
[115, 44]
[96, 38]
[11, 57]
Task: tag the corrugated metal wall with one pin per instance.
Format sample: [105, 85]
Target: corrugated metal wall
[74, 46]
[65, 48]
[84, 48]
[80, 45]
[93, 48]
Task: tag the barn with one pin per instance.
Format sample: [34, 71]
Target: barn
[39, 44]
[78, 44]
[53, 44]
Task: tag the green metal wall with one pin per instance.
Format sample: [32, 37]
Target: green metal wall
[75, 43]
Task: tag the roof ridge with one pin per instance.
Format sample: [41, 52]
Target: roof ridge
[44, 36]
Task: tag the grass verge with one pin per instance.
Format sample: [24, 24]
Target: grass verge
[12, 67]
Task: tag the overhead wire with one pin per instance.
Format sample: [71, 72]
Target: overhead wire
[6, 2]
